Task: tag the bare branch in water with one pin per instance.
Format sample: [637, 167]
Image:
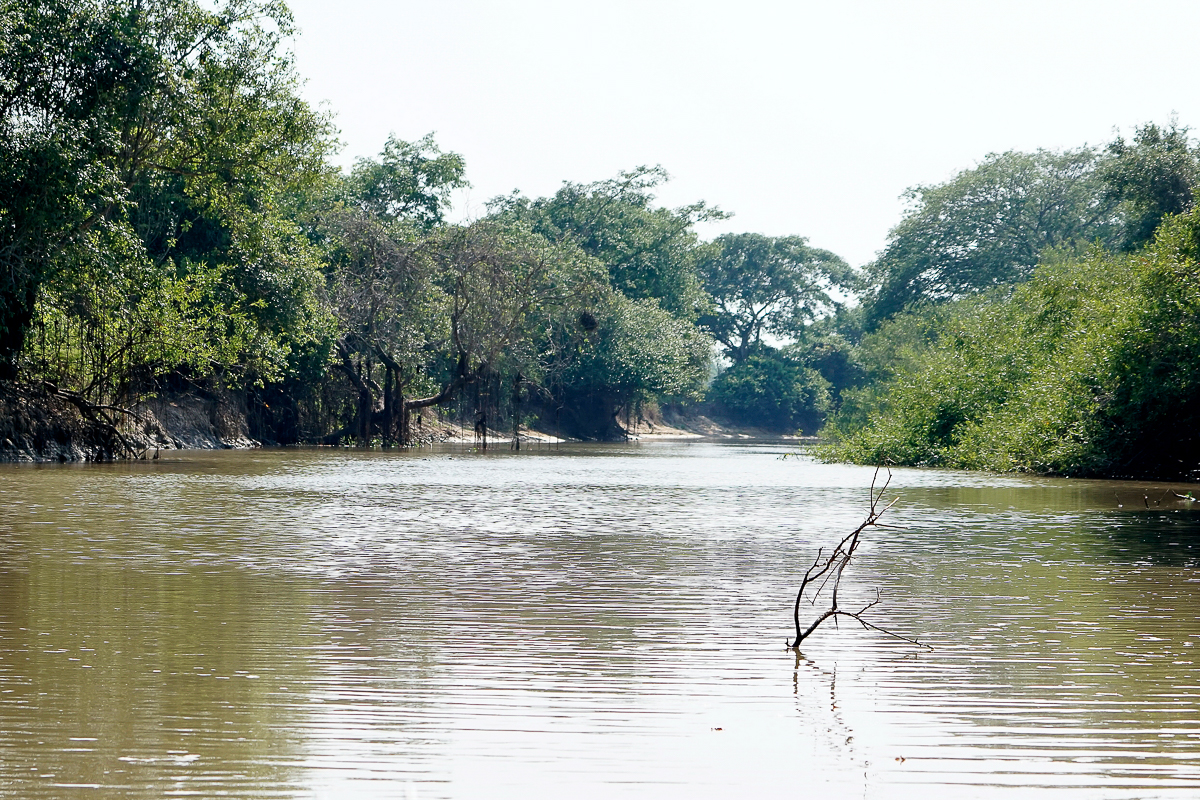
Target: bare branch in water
[827, 570]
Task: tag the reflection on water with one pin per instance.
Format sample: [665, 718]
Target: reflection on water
[588, 622]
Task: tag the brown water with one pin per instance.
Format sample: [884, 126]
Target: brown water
[593, 622]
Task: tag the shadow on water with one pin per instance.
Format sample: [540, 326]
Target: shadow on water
[1154, 536]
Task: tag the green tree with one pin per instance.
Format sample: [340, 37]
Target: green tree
[391, 313]
[623, 353]
[60, 63]
[773, 389]
[1151, 176]
[650, 252]
[1087, 369]
[988, 227]
[1147, 392]
[631, 340]
[428, 313]
[158, 136]
[379, 229]
[761, 284]
[410, 181]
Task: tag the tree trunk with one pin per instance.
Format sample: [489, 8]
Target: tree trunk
[16, 316]
[389, 419]
[366, 398]
[406, 437]
[366, 404]
[516, 413]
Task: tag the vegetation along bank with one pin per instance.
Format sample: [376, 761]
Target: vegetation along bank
[182, 265]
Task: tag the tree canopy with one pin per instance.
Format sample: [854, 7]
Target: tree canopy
[988, 227]
[410, 181]
[760, 284]
[1085, 369]
[1151, 176]
[145, 148]
[650, 252]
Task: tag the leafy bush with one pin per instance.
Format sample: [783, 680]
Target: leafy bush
[1088, 369]
[636, 352]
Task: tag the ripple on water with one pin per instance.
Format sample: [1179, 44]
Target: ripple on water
[594, 621]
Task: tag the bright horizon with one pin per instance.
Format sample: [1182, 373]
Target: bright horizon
[807, 119]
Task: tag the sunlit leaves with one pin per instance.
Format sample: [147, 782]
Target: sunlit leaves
[411, 182]
[147, 148]
[988, 227]
[1087, 369]
[650, 252]
[761, 284]
[1152, 175]
[775, 390]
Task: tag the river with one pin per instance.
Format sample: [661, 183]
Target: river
[587, 622]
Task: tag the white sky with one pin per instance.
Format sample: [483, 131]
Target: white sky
[807, 118]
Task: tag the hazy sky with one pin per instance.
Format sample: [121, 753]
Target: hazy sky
[800, 117]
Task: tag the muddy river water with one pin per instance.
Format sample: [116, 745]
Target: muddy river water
[587, 622]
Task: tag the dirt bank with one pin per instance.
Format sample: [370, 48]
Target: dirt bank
[43, 424]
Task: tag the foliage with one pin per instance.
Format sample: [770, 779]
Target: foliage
[1086, 370]
[169, 215]
[761, 284]
[650, 252]
[834, 358]
[410, 181]
[775, 390]
[1152, 176]
[988, 227]
[57, 68]
[145, 147]
[136, 322]
[432, 312]
[632, 339]
[1149, 402]
[636, 352]
[508, 286]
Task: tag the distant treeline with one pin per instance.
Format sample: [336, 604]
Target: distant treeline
[170, 221]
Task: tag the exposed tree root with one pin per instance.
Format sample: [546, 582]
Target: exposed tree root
[41, 422]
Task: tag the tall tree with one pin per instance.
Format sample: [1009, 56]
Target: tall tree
[650, 252]
[382, 285]
[60, 65]
[1151, 176]
[161, 132]
[988, 227]
[410, 181]
[377, 228]
[762, 284]
[621, 354]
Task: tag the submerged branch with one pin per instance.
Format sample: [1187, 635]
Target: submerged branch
[827, 570]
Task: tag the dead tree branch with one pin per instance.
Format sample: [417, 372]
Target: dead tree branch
[825, 574]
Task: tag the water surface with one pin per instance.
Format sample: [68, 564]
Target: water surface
[592, 622]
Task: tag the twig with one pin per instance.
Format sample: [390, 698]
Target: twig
[827, 570]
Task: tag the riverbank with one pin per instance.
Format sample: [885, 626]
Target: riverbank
[654, 425]
[45, 425]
